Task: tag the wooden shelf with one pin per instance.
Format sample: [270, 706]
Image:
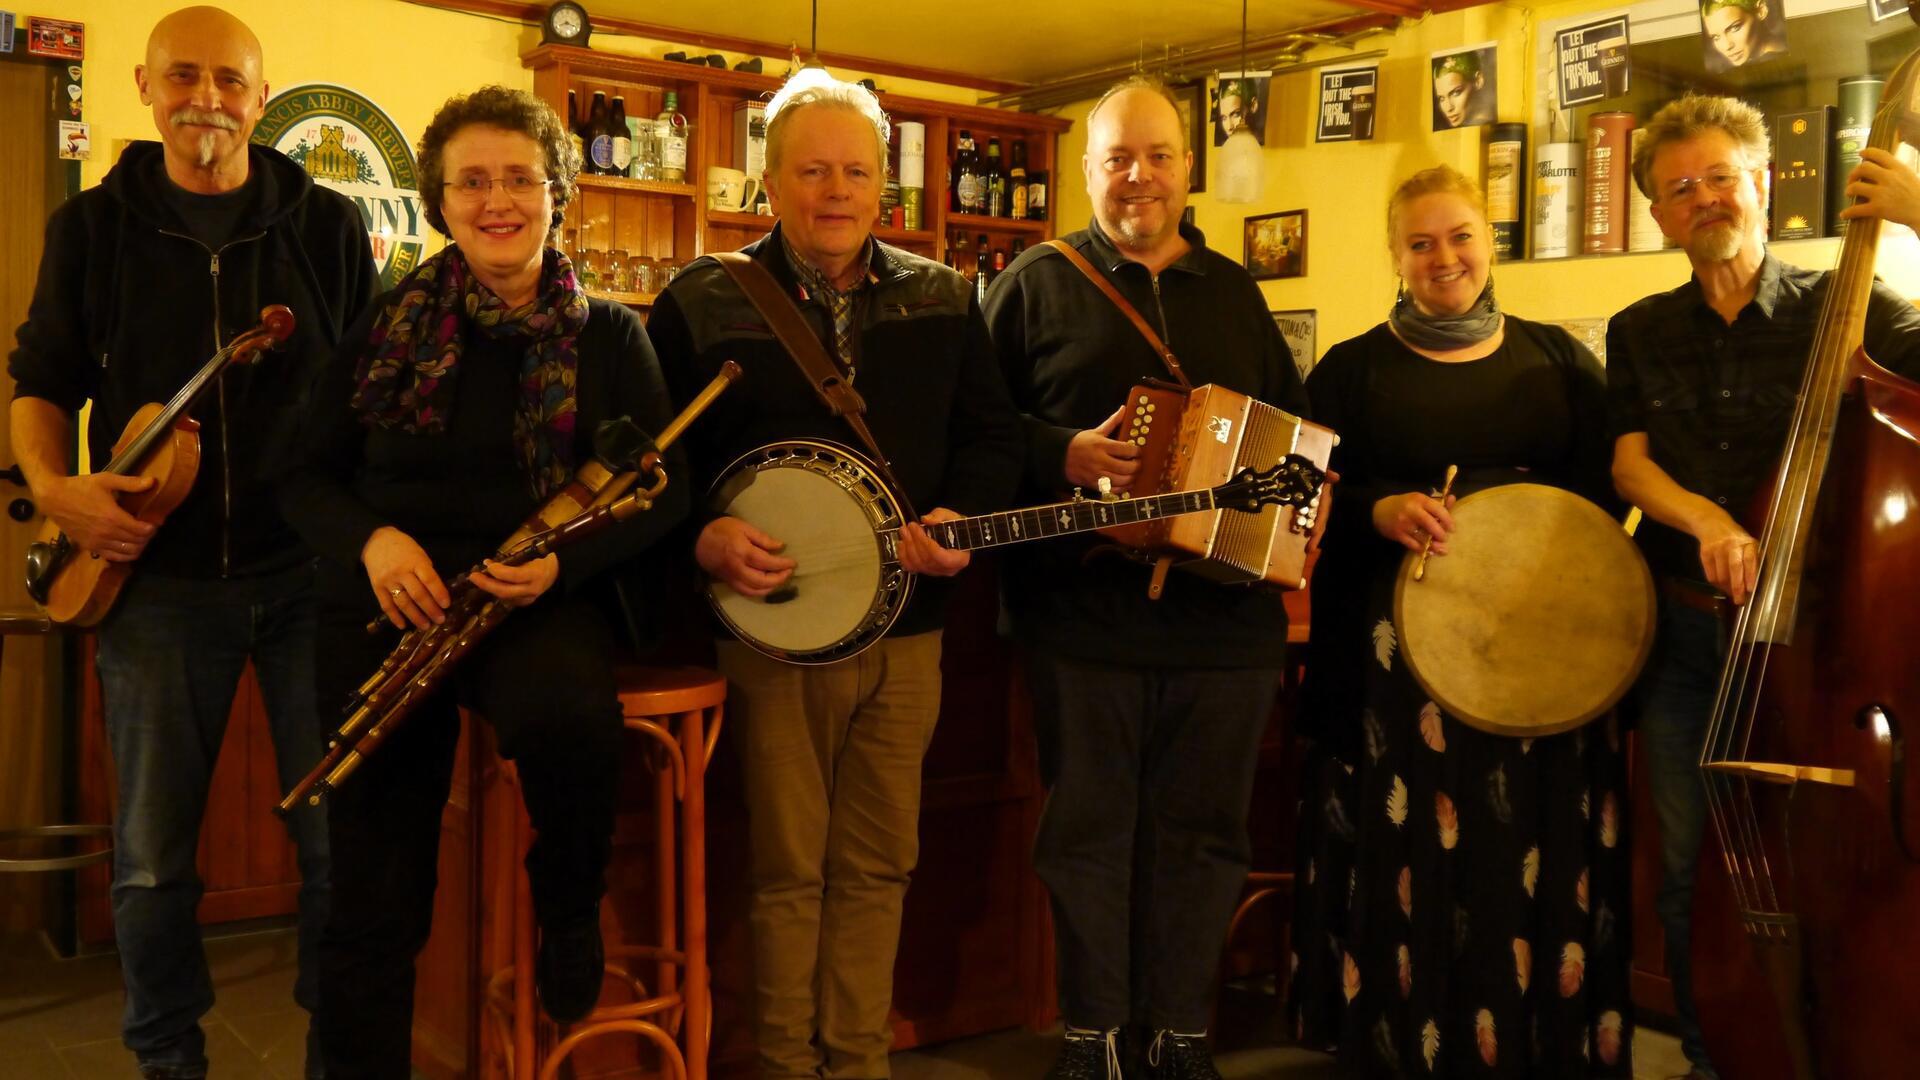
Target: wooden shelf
[631, 299]
[983, 223]
[765, 223]
[620, 183]
[733, 219]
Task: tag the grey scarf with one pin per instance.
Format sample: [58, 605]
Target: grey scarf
[1440, 333]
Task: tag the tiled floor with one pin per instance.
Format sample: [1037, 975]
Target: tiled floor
[60, 1020]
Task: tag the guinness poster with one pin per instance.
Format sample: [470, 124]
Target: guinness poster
[1347, 97]
[1592, 61]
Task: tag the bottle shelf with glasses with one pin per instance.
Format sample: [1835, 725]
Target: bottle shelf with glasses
[619, 213]
[590, 182]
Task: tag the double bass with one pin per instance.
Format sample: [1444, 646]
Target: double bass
[1811, 794]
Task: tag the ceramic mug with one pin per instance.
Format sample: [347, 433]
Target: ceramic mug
[730, 189]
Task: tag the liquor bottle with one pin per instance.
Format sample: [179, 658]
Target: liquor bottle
[598, 139]
[1853, 121]
[573, 128]
[967, 194]
[1017, 181]
[996, 181]
[982, 268]
[622, 137]
[999, 261]
[672, 128]
[1037, 196]
[1019, 245]
[959, 255]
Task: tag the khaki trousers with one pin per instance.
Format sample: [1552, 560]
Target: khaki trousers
[831, 757]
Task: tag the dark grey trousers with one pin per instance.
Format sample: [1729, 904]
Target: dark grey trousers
[1143, 843]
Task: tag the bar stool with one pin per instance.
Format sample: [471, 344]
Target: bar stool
[34, 622]
[680, 710]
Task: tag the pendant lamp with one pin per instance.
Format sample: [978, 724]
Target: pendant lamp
[1243, 163]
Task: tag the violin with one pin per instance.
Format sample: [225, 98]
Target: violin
[77, 587]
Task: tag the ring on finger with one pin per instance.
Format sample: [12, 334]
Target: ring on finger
[395, 592]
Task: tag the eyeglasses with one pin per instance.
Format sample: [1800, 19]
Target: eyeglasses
[1719, 183]
[520, 187]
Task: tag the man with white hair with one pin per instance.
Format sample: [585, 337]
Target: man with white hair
[142, 279]
[1701, 382]
[832, 752]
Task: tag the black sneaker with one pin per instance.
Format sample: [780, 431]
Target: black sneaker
[1088, 1054]
[570, 967]
[1173, 1056]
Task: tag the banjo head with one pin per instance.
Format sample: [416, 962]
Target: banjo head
[1537, 620]
[827, 505]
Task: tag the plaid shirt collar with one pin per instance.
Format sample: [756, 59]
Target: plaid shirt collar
[814, 282]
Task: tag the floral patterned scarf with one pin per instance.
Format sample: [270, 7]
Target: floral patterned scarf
[406, 373]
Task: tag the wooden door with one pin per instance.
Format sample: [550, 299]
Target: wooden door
[28, 700]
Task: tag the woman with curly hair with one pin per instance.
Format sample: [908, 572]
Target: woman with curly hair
[458, 403]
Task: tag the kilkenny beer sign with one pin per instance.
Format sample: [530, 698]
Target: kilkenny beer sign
[347, 143]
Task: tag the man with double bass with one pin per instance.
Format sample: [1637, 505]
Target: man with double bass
[1702, 381]
[143, 278]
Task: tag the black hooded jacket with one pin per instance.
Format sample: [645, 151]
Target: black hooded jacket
[129, 306]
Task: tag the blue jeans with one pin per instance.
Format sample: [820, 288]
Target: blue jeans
[170, 658]
[1676, 701]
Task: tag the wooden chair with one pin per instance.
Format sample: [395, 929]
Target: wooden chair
[34, 622]
[680, 711]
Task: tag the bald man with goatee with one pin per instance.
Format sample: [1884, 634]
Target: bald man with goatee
[144, 277]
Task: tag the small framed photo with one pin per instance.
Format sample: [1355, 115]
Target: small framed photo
[1277, 245]
[1192, 99]
[56, 39]
[1296, 329]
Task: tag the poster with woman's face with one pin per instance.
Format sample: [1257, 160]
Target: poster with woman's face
[1240, 101]
[1736, 33]
[1465, 90]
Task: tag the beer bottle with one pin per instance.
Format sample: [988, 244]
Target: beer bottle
[1037, 196]
[996, 182]
[573, 128]
[1017, 181]
[967, 194]
[622, 138]
[598, 138]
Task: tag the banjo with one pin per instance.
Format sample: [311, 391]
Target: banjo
[841, 526]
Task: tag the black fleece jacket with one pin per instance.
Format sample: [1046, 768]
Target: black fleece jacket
[129, 306]
[1070, 357]
[935, 402]
[463, 491]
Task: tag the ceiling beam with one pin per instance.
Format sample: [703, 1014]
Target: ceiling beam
[1406, 9]
[532, 13]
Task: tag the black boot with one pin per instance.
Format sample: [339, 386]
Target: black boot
[1088, 1054]
[570, 966]
[1173, 1056]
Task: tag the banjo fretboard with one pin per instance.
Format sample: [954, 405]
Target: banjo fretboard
[1058, 519]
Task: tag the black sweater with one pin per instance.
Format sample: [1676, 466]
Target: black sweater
[129, 306]
[1070, 357]
[935, 402]
[463, 491]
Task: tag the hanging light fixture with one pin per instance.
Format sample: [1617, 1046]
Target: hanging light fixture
[813, 41]
[1243, 165]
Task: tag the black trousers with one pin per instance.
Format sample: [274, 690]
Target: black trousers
[1143, 842]
[544, 679]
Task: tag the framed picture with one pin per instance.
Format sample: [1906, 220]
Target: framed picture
[1192, 99]
[1465, 87]
[1240, 101]
[1296, 328]
[56, 39]
[1277, 245]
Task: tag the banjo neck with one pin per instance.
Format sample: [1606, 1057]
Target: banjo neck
[1057, 519]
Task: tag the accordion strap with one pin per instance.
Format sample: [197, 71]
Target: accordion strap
[1133, 314]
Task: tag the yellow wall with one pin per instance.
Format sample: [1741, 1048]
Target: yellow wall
[1344, 186]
